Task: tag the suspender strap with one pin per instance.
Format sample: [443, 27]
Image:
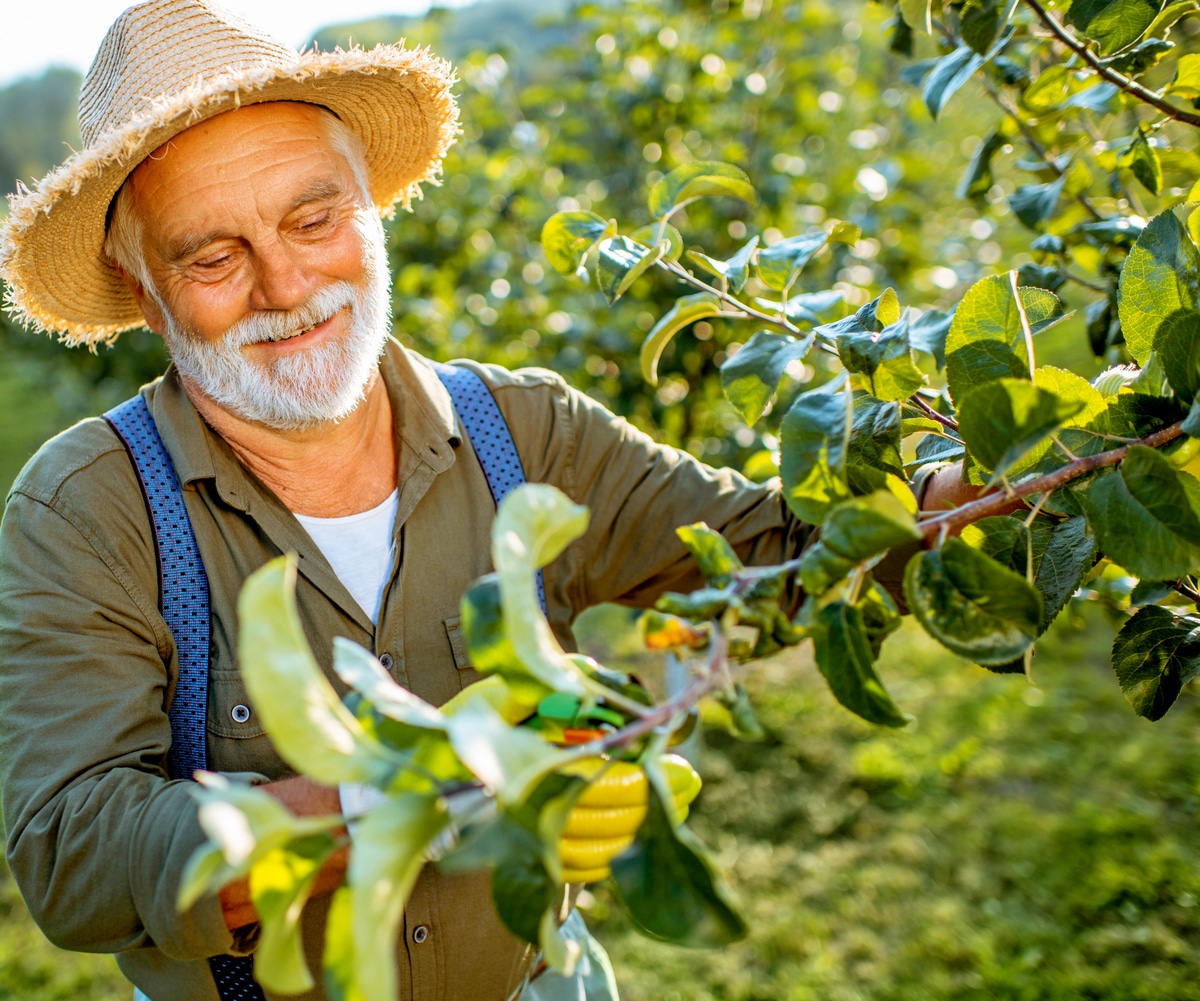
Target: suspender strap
[183, 598]
[489, 435]
[183, 584]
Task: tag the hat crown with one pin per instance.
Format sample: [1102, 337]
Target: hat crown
[157, 50]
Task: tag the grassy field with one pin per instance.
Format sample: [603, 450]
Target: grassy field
[1012, 843]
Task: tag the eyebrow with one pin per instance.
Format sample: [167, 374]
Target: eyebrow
[186, 246]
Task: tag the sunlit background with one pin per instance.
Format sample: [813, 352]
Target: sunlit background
[1016, 842]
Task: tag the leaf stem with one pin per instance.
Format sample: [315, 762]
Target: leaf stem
[1187, 591]
[1131, 87]
[995, 503]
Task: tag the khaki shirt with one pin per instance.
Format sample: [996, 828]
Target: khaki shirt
[98, 835]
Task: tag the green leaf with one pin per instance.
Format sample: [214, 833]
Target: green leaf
[1143, 516]
[1002, 420]
[338, 958]
[488, 642]
[1169, 16]
[1143, 159]
[847, 661]
[711, 551]
[1114, 24]
[815, 434]
[1049, 91]
[735, 271]
[919, 14]
[867, 526]
[1072, 388]
[621, 262]
[279, 887]
[978, 179]
[1069, 554]
[649, 236]
[980, 22]
[669, 888]
[508, 760]
[389, 851]
[971, 604]
[885, 358]
[1177, 344]
[805, 307]
[1160, 278]
[854, 531]
[873, 317]
[568, 236]
[697, 180]
[986, 340]
[359, 669]
[1154, 655]
[533, 525]
[750, 378]
[309, 726]
[687, 309]
[1033, 204]
[950, 73]
[1005, 539]
[875, 436]
[780, 264]
[928, 333]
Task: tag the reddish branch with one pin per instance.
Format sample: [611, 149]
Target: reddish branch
[1131, 87]
[999, 502]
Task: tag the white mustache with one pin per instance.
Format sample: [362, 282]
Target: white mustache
[273, 325]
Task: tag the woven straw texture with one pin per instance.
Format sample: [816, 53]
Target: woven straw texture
[163, 67]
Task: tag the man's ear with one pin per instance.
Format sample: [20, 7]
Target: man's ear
[149, 307]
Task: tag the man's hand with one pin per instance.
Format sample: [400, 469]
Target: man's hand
[304, 798]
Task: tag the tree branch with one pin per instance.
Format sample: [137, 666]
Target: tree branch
[996, 503]
[1131, 87]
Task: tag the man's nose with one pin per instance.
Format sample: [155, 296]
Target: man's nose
[282, 279]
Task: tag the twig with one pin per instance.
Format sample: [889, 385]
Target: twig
[1188, 592]
[744, 311]
[925, 408]
[1131, 87]
[995, 503]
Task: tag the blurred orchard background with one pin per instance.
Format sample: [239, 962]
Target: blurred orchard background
[1014, 842]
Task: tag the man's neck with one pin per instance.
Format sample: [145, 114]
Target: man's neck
[327, 471]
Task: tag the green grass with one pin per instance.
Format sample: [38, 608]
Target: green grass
[1012, 843]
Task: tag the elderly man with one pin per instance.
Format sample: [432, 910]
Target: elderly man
[229, 198]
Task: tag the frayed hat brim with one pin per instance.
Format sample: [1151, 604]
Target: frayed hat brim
[52, 257]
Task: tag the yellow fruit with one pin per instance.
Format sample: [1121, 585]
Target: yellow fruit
[592, 853]
[607, 816]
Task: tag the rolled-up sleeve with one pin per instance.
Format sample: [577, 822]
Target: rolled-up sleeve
[98, 836]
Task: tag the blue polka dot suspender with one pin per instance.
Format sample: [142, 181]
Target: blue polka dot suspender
[183, 583]
[489, 436]
[183, 598]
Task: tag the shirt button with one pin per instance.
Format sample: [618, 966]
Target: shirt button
[386, 660]
[240, 713]
[420, 934]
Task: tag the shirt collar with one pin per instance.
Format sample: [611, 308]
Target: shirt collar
[422, 412]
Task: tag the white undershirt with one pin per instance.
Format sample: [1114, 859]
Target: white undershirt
[359, 548]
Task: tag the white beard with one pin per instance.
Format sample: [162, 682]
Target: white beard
[306, 388]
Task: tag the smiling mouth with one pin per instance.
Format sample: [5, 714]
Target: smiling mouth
[277, 338]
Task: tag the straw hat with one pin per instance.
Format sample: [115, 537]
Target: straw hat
[164, 66]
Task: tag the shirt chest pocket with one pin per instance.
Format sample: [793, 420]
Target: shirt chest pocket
[458, 647]
[230, 713]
